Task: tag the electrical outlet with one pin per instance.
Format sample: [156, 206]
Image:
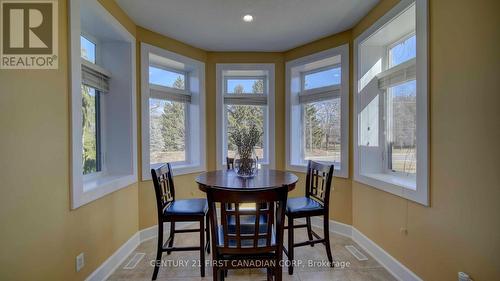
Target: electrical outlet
[403, 231]
[80, 261]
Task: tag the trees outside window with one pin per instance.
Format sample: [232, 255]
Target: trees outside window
[168, 128]
[244, 116]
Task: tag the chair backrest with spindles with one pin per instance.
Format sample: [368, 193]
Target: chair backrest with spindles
[164, 187]
[319, 181]
[233, 234]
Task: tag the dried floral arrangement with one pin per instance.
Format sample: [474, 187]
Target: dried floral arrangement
[245, 140]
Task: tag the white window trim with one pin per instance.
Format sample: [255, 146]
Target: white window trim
[343, 51]
[170, 69]
[269, 141]
[190, 165]
[387, 182]
[319, 89]
[87, 189]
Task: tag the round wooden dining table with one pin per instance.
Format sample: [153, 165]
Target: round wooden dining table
[264, 179]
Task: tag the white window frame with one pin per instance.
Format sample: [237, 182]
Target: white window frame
[269, 115]
[102, 103]
[293, 108]
[171, 69]
[384, 111]
[96, 43]
[416, 190]
[394, 44]
[227, 77]
[85, 189]
[317, 70]
[195, 127]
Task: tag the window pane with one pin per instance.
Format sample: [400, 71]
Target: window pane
[323, 78]
[403, 51]
[245, 86]
[243, 116]
[167, 131]
[322, 131]
[166, 78]
[402, 127]
[90, 106]
[87, 49]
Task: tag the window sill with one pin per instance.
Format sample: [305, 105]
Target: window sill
[302, 168]
[402, 186]
[107, 181]
[177, 169]
[389, 180]
[97, 187]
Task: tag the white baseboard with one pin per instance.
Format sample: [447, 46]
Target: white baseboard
[112, 263]
[118, 257]
[335, 226]
[397, 269]
[152, 232]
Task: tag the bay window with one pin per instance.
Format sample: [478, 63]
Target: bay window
[317, 110]
[173, 128]
[391, 103]
[245, 97]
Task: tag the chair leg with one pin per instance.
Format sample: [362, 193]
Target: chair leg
[202, 247]
[290, 245]
[278, 274]
[215, 273]
[159, 250]
[172, 235]
[309, 230]
[207, 227]
[326, 227]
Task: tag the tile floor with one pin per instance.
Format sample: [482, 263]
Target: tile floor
[181, 266]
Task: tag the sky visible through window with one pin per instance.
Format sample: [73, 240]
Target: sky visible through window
[320, 79]
[247, 85]
[87, 49]
[164, 77]
[403, 51]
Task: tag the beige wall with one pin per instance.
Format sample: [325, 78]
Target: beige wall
[460, 230]
[41, 235]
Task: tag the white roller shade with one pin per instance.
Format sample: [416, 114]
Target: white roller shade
[309, 97]
[399, 74]
[245, 99]
[95, 76]
[166, 93]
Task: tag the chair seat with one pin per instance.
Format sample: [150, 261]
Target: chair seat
[302, 204]
[197, 206]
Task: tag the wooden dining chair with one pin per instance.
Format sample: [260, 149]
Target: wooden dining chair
[242, 245]
[315, 203]
[171, 210]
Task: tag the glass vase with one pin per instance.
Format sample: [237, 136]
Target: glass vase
[245, 166]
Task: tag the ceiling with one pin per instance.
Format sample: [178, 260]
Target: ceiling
[216, 25]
